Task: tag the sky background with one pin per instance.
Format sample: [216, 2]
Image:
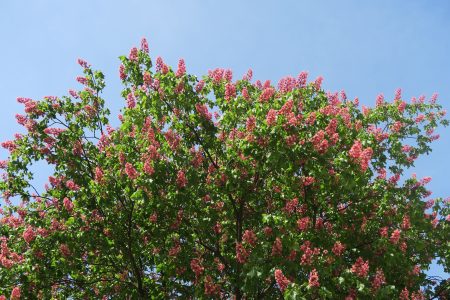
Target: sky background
[363, 47]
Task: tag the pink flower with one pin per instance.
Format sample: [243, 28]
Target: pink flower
[308, 180]
[404, 295]
[303, 223]
[83, 63]
[15, 294]
[395, 236]
[271, 117]
[181, 68]
[9, 145]
[301, 79]
[249, 237]
[281, 280]
[360, 267]
[228, 75]
[72, 186]
[250, 124]
[181, 179]
[131, 171]
[131, 101]
[291, 206]
[434, 98]
[133, 56]
[318, 83]
[338, 248]
[199, 86]
[241, 253]
[29, 235]
[266, 94]
[401, 107]
[203, 111]
[197, 267]
[378, 280]
[230, 91]
[277, 247]
[355, 150]
[98, 174]
[398, 94]
[122, 74]
[82, 80]
[147, 78]
[144, 45]
[65, 251]
[68, 204]
[148, 168]
[380, 100]
[248, 76]
[313, 279]
[245, 93]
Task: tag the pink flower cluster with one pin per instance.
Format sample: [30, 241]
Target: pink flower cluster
[267, 94]
[362, 156]
[131, 171]
[281, 280]
[249, 237]
[313, 280]
[203, 111]
[181, 179]
[360, 267]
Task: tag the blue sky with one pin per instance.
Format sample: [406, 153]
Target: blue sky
[364, 47]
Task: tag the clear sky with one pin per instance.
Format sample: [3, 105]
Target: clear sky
[364, 47]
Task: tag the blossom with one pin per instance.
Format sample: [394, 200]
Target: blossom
[83, 63]
[133, 56]
[72, 185]
[378, 280]
[230, 91]
[380, 100]
[398, 94]
[301, 78]
[303, 223]
[15, 294]
[122, 73]
[241, 253]
[68, 204]
[266, 94]
[318, 83]
[277, 247]
[248, 76]
[228, 75]
[360, 267]
[181, 179]
[82, 80]
[131, 171]
[197, 267]
[131, 101]
[249, 237]
[199, 86]
[395, 236]
[313, 279]
[148, 168]
[65, 251]
[338, 248]
[181, 68]
[98, 174]
[281, 280]
[29, 234]
[250, 124]
[271, 117]
[144, 45]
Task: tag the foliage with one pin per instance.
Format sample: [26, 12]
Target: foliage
[219, 188]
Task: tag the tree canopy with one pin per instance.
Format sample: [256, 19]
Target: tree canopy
[220, 188]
